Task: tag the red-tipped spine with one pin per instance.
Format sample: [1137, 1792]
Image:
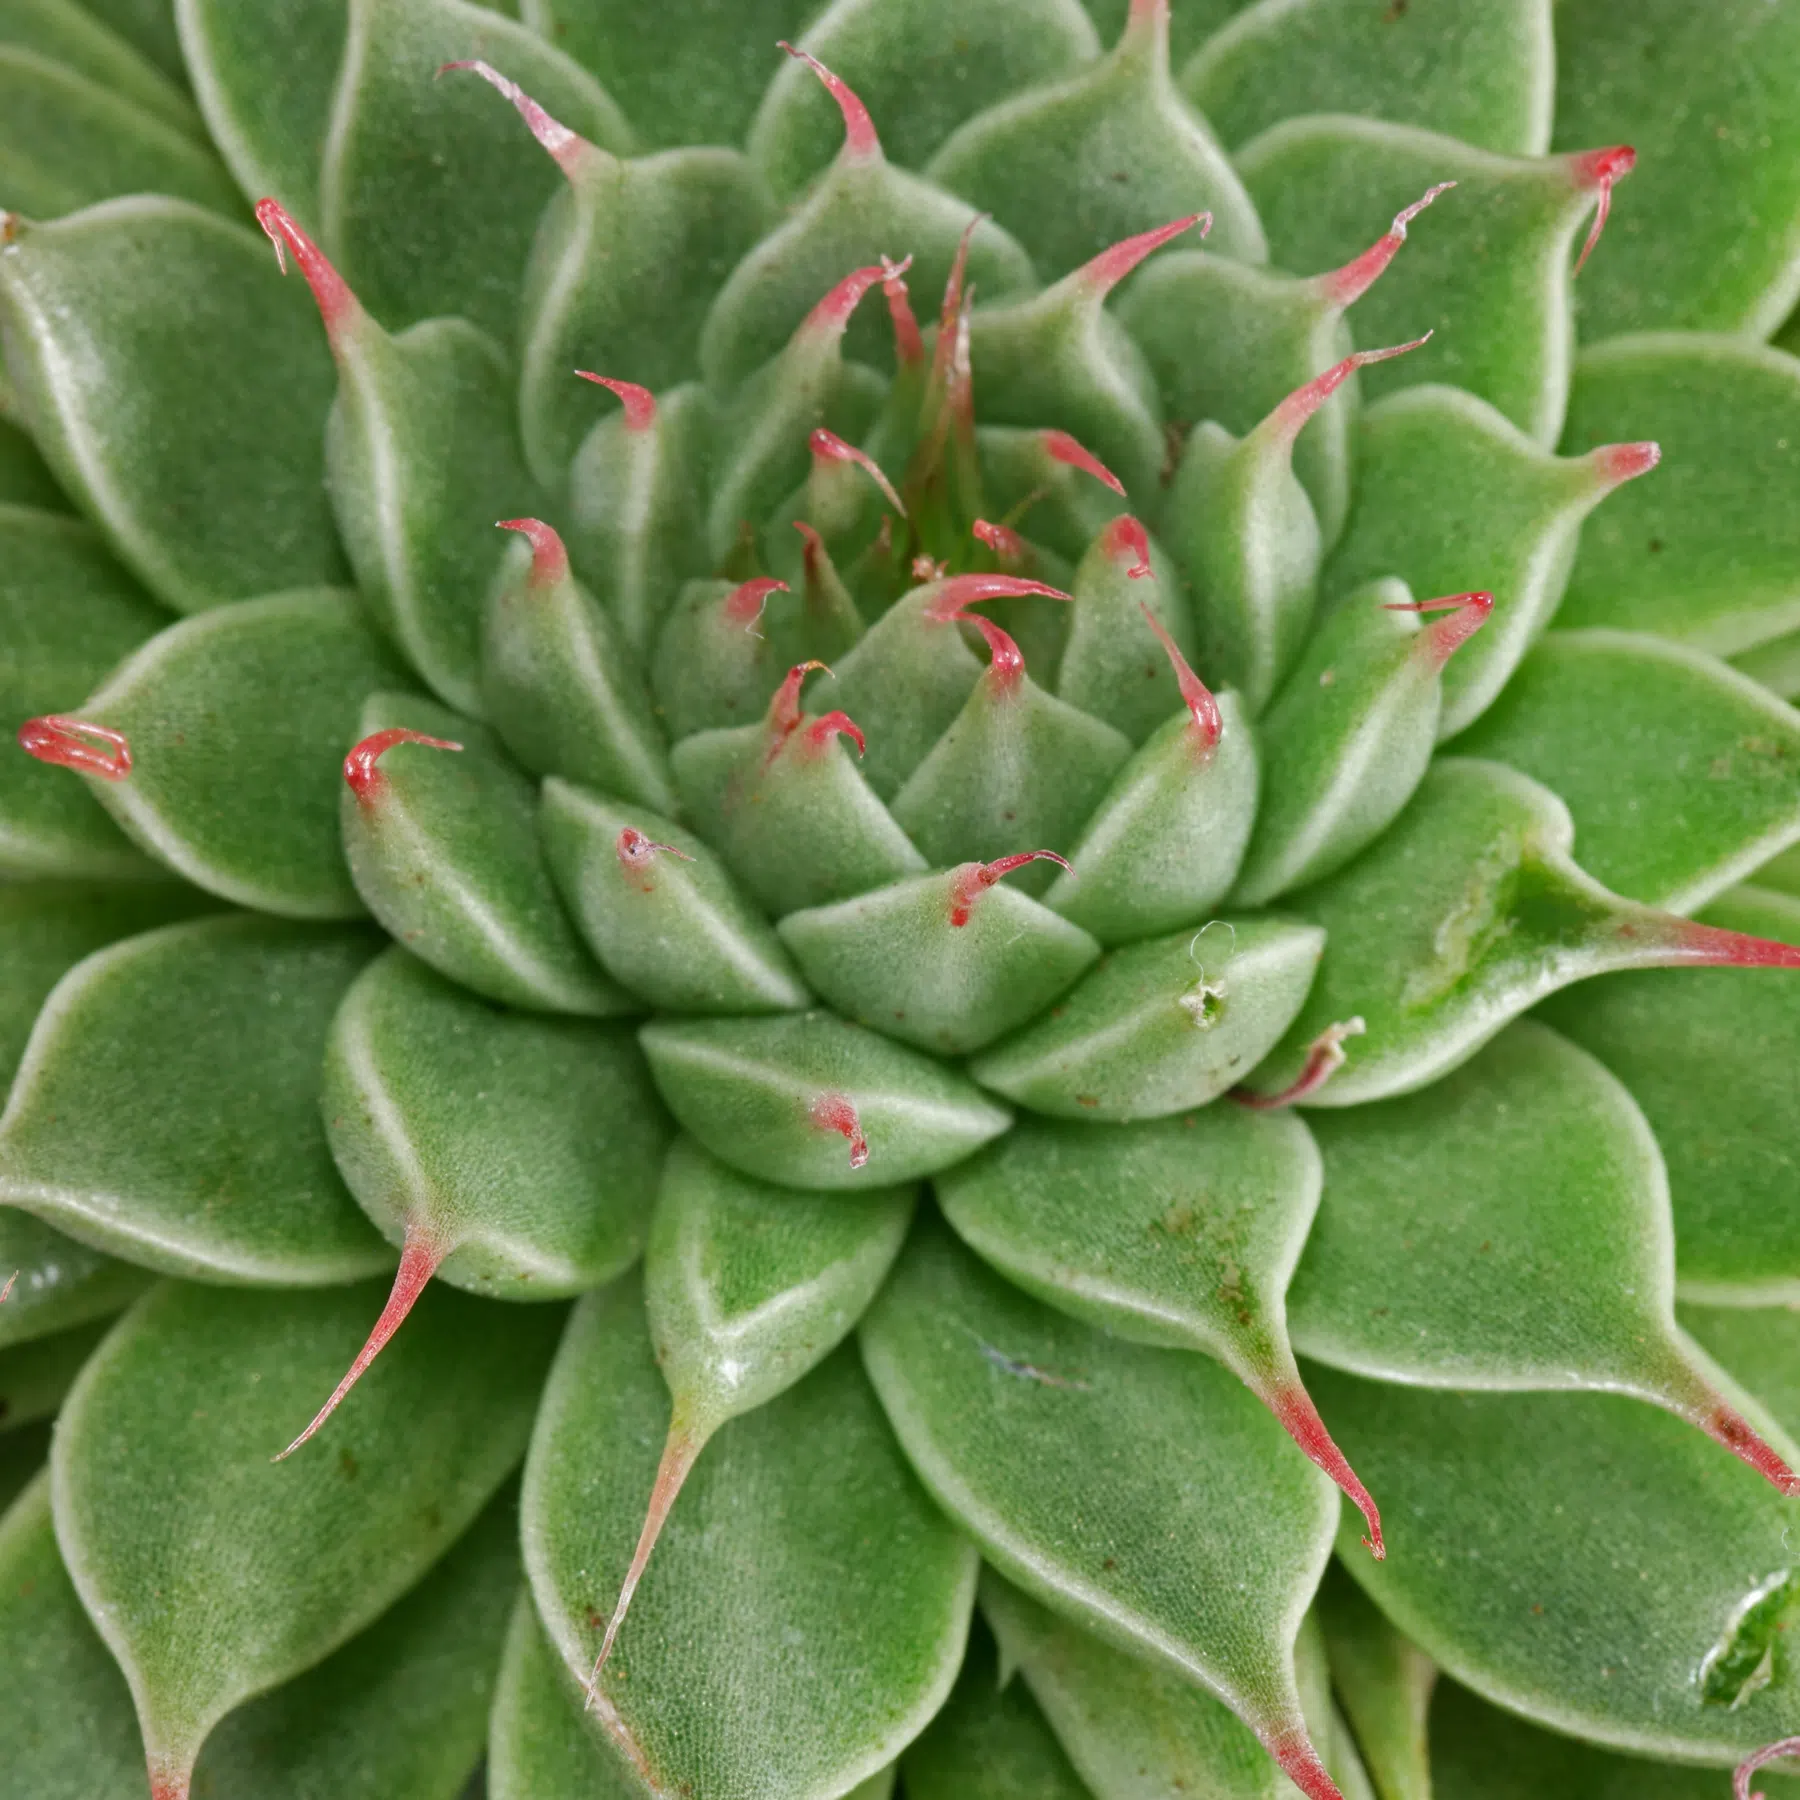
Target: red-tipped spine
[568, 148]
[1740, 1780]
[828, 447]
[419, 1260]
[784, 704]
[1441, 640]
[76, 744]
[366, 780]
[1112, 265]
[1297, 1759]
[6, 1291]
[969, 881]
[1595, 171]
[338, 307]
[640, 403]
[1290, 416]
[744, 604]
[1001, 539]
[1323, 1060]
[1615, 464]
[1343, 287]
[837, 1112]
[1293, 1406]
[1680, 942]
[822, 730]
[1128, 544]
[1196, 696]
[1062, 448]
[549, 557]
[909, 345]
[962, 591]
[860, 141]
[832, 314]
[637, 856]
[1725, 1425]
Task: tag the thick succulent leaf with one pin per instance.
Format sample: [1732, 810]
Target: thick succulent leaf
[1491, 276]
[68, 612]
[1185, 1529]
[1161, 1026]
[67, 141]
[937, 962]
[34, 1376]
[443, 847]
[429, 192]
[920, 66]
[171, 383]
[809, 1100]
[1385, 1684]
[66, 32]
[1451, 497]
[1581, 1558]
[148, 26]
[166, 1108]
[1480, 70]
[1712, 239]
[1116, 146]
[1708, 1055]
[660, 911]
[1706, 553]
[520, 1150]
[57, 1283]
[212, 1574]
[802, 1558]
[23, 1455]
[1681, 774]
[236, 721]
[25, 478]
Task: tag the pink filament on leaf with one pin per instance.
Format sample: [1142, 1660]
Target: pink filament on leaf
[1209, 725]
[1616, 464]
[1064, 449]
[860, 142]
[1126, 541]
[338, 307]
[360, 771]
[640, 403]
[1440, 641]
[1599, 169]
[970, 881]
[1104, 272]
[549, 558]
[637, 852]
[1001, 539]
[1323, 1060]
[419, 1259]
[744, 604]
[909, 346]
[1289, 417]
[827, 446]
[56, 738]
[837, 1112]
[1347, 285]
[7, 1290]
[832, 314]
[569, 148]
[1740, 1780]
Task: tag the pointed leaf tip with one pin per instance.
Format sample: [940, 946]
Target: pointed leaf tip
[860, 141]
[837, 1112]
[1293, 1406]
[1323, 1060]
[784, 703]
[744, 604]
[1441, 641]
[1126, 542]
[1740, 1780]
[836, 724]
[969, 882]
[1290, 416]
[1343, 287]
[549, 558]
[637, 853]
[56, 738]
[1196, 696]
[1001, 539]
[1598, 170]
[1727, 1426]
[360, 770]
[338, 306]
[1064, 449]
[1105, 271]
[909, 345]
[962, 591]
[832, 314]
[827, 446]
[1297, 1759]
[640, 403]
[1616, 464]
[1682, 941]
[569, 148]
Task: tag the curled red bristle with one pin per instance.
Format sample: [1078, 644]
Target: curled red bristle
[640, 403]
[1064, 449]
[909, 345]
[1006, 661]
[1347, 285]
[837, 1112]
[1288, 418]
[962, 591]
[860, 141]
[835, 724]
[418, 1263]
[1289, 1401]
[56, 738]
[744, 604]
[1001, 539]
[338, 307]
[635, 851]
[549, 557]
[953, 284]
[1740, 1780]
[1196, 696]
[827, 446]
[1616, 464]
[569, 148]
[1599, 169]
[1297, 1759]
[1126, 542]
[1323, 1060]
[1440, 641]
[832, 314]
[6, 1291]
[969, 881]
[360, 771]
[1112, 265]
[784, 706]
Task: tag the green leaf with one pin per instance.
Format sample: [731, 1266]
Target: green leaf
[25, 478]
[148, 26]
[1708, 243]
[1633, 732]
[1706, 1054]
[1706, 553]
[22, 1458]
[802, 1551]
[171, 384]
[166, 1108]
[810, 1100]
[34, 1376]
[1481, 70]
[65, 32]
[659, 909]
[1185, 1529]
[57, 1283]
[236, 721]
[213, 1575]
[444, 850]
[1161, 1026]
[1385, 1684]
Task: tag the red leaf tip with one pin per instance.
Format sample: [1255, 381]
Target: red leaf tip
[1064, 449]
[909, 346]
[832, 314]
[1289, 1401]
[360, 770]
[77, 744]
[637, 853]
[969, 881]
[837, 1112]
[1126, 542]
[338, 307]
[1616, 464]
[962, 591]
[1740, 1780]
[640, 403]
[1441, 641]
[1001, 539]
[860, 141]
[1347, 285]
[1104, 272]
[1323, 1060]
[828, 447]
[1598, 170]
[744, 604]
[1727, 1426]
[1288, 418]
[1196, 696]
[569, 148]
[1294, 1754]
[549, 557]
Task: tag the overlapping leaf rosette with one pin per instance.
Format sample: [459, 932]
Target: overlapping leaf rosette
[961, 879]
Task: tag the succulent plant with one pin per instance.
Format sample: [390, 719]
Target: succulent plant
[1065, 1111]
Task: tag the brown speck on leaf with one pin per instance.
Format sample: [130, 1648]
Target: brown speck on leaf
[1086, 1100]
[1395, 13]
[350, 1466]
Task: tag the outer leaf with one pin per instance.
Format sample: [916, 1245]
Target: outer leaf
[72, 35]
[57, 1283]
[25, 478]
[165, 1109]
[22, 1458]
[165, 375]
[149, 26]
[801, 1541]
[35, 1376]
[213, 1575]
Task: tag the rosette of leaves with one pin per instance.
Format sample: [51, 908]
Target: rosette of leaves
[1023, 1052]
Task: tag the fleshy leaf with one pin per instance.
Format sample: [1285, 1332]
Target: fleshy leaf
[1451, 497]
[1509, 1228]
[722, 648]
[70, 34]
[1385, 1684]
[1112, 151]
[148, 26]
[1481, 70]
[213, 1575]
[1629, 730]
[809, 1100]
[68, 612]
[1706, 1054]
[1160, 1026]
[236, 721]
[166, 1111]
[56, 1283]
[428, 192]
[560, 682]
[1493, 273]
[444, 849]
[25, 478]
[948, 962]
[801, 1551]
[1706, 553]
[660, 911]
[23, 1455]
[1185, 1530]
[171, 383]
[35, 1375]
